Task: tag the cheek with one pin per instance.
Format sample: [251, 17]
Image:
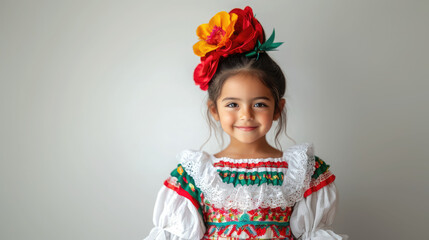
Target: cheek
[266, 118]
[227, 117]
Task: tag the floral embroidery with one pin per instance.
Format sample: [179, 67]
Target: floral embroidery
[249, 221]
[261, 222]
[300, 158]
[251, 178]
[223, 164]
[320, 178]
[251, 172]
[321, 167]
[184, 185]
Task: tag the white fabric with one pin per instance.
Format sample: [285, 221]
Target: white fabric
[175, 218]
[312, 217]
[300, 159]
[248, 160]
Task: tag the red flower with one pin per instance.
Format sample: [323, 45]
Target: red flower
[247, 32]
[204, 72]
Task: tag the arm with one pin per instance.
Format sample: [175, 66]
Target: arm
[177, 213]
[313, 215]
[175, 217]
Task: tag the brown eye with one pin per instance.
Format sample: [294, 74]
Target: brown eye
[258, 105]
[232, 105]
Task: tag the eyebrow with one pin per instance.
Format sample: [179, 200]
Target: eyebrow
[253, 99]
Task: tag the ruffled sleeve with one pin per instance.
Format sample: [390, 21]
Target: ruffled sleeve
[313, 215]
[178, 212]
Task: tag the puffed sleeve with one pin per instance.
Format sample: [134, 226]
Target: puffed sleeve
[178, 209]
[313, 215]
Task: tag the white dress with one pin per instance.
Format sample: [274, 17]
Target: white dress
[291, 197]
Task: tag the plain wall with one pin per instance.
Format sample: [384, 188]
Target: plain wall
[97, 98]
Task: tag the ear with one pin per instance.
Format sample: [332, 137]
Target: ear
[278, 112]
[213, 110]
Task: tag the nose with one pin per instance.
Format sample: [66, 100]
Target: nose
[246, 113]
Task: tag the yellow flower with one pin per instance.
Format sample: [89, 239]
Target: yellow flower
[180, 170]
[192, 187]
[215, 34]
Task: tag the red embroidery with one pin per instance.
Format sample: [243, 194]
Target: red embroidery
[252, 165]
[230, 223]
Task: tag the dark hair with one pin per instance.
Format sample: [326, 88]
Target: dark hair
[265, 69]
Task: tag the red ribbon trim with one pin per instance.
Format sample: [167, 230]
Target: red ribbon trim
[319, 186]
[182, 192]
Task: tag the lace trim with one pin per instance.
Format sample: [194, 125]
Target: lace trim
[322, 178]
[262, 169]
[247, 160]
[300, 158]
[322, 181]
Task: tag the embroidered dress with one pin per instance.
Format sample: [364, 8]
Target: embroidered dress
[291, 197]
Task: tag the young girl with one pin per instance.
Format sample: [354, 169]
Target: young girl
[249, 190]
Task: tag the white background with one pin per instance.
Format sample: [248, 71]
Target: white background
[97, 98]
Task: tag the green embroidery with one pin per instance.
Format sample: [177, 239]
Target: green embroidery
[321, 167]
[244, 218]
[188, 184]
[251, 178]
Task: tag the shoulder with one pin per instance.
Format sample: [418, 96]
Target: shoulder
[195, 165]
[194, 161]
[189, 155]
[301, 160]
[182, 181]
[302, 156]
[317, 173]
[187, 159]
[320, 167]
[306, 171]
[321, 177]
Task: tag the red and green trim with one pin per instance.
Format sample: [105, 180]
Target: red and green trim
[252, 229]
[321, 167]
[222, 164]
[320, 185]
[185, 187]
[320, 178]
[251, 178]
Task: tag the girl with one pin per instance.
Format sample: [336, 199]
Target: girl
[249, 190]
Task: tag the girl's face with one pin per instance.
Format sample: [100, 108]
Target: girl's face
[245, 108]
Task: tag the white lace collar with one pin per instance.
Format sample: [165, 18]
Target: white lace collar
[300, 159]
[247, 160]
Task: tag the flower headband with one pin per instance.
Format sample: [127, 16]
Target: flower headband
[228, 33]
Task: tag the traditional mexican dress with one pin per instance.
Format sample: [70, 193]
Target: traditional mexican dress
[291, 197]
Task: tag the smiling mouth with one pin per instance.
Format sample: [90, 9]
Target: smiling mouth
[247, 129]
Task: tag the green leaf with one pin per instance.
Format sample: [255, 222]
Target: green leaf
[270, 40]
[268, 45]
[275, 45]
[251, 54]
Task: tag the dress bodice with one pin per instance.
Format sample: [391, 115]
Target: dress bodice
[268, 222]
[245, 198]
